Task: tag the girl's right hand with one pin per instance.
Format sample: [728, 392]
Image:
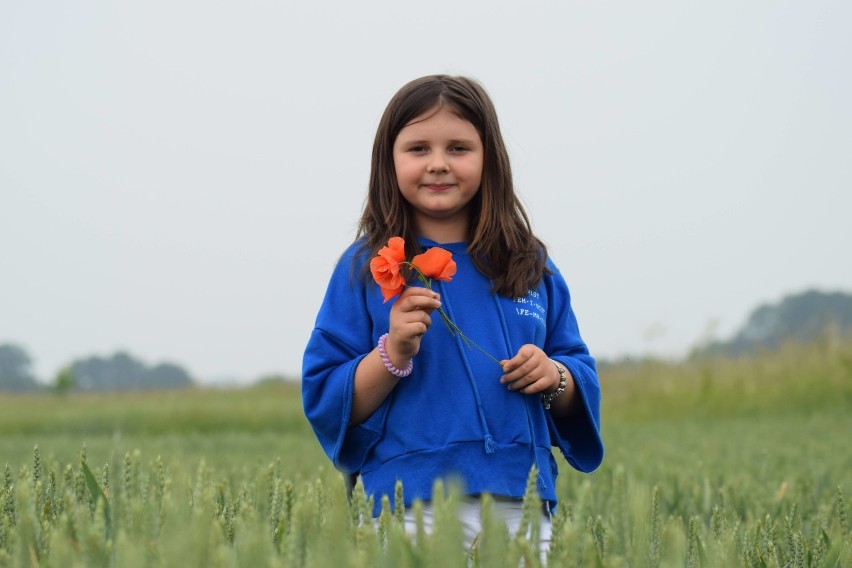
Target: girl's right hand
[409, 320]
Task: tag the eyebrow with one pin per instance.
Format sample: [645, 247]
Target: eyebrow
[462, 141]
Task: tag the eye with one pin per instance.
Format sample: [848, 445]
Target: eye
[417, 149]
[459, 149]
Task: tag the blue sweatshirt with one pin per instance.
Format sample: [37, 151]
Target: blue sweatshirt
[451, 418]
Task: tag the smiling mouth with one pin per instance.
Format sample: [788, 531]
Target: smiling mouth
[439, 186]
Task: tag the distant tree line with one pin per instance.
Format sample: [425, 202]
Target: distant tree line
[120, 372]
[123, 372]
[15, 370]
[803, 318]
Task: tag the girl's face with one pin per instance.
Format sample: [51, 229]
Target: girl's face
[438, 159]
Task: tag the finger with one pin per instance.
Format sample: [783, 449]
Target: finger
[510, 365]
[536, 386]
[522, 384]
[413, 330]
[413, 291]
[413, 324]
[536, 380]
[524, 354]
[523, 369]
[420, 326]
[418, 302]
[532, 371]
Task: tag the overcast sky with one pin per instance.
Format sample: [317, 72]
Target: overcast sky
[177, 179]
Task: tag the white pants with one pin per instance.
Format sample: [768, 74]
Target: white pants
[469, 512]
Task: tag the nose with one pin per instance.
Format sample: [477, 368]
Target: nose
[437, 163]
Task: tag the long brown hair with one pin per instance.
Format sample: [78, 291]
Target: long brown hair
[500, 238]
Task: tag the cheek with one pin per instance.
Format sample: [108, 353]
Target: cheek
[405, 171]
[474, 173]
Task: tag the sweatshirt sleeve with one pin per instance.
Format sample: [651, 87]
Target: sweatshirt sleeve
[341, 338]
[578, 436]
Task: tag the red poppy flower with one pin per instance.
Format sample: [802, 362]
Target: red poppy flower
[386, 268]
[436, 263]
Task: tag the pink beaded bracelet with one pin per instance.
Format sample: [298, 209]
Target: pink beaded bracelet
[388, 365]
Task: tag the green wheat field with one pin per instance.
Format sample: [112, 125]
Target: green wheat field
[718, 463]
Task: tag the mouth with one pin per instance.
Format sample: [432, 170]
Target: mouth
[438, 186]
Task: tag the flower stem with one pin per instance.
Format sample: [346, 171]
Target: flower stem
[451, 326]
[468, 341]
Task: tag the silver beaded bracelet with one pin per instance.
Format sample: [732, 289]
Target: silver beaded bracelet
[547, 398]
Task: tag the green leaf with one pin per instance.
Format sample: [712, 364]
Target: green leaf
[96, 492]
[92, 484]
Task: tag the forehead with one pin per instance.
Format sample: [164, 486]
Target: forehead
[442, 122]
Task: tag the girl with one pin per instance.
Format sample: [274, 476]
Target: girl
[391, 397]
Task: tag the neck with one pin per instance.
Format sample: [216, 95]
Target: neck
[443, 230]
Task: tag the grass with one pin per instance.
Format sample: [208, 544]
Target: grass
[710, 463]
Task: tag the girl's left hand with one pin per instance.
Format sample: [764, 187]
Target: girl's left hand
[530, 371]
